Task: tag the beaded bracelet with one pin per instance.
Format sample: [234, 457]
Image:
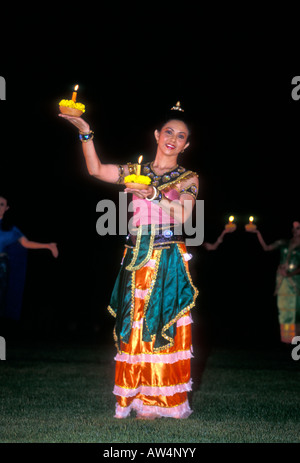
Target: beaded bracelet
[121, 174]
[84, 137]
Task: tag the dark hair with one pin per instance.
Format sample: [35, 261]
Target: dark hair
[176, 115]
[6, 223]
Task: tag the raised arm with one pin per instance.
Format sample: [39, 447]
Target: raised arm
[219, 240]
[266, 247]
[35, 245]
[106, 172]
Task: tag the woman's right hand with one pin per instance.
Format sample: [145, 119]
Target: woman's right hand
[81, 124]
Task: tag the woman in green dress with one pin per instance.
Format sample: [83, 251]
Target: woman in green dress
[153, 293]
[287, 282]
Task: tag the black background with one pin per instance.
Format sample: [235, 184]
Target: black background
[235, 84]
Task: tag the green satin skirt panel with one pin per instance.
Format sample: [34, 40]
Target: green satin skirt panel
[288, 299]
[170, 296]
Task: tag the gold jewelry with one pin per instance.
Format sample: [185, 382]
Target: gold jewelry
[177, 107]
[121, 174]
[86, 136]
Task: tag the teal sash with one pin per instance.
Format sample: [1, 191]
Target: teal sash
[169, 297]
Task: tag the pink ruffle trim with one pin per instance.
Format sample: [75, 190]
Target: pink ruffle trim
[181, 411]
[153, 390]
[183, 321]
[141, 293]
[150, 263]
[138, 324]
[154, 358]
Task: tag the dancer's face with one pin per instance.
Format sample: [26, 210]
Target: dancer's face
[3, 206]
[172, 138]
[296, 231]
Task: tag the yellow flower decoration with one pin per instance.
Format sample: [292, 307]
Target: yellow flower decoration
[137, 179]
[72, 104]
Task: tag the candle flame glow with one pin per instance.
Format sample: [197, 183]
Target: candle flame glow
[140, 159]
[76, 88]
[251, 218]
[231, 218]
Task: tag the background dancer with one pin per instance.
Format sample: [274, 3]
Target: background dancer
[13, 258]
[287, 282]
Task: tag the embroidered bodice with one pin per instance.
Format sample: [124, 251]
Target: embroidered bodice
[146, 212]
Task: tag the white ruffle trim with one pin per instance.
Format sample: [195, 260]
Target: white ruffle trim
[154, 358]
[181, 411]
[153, 390]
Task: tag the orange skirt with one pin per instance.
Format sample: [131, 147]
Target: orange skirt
[153, 384]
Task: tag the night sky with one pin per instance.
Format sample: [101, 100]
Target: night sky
[244, 146]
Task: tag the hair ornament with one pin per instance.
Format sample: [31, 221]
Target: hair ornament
[177, 107]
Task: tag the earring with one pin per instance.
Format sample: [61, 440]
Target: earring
[182, 151]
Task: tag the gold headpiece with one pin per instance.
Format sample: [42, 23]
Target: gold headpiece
[177, 107]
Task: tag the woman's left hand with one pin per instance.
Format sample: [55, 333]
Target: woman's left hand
[146, 192]
[53, 249]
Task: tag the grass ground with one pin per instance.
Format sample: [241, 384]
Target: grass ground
[54, 393]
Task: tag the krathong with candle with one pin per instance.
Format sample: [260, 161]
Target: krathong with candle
[250, 226]
[71, 107]
[230, 225]
[137, 181]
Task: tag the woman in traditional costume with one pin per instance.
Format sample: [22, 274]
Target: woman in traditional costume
[287, 282]
[13, 246]
[154, 292]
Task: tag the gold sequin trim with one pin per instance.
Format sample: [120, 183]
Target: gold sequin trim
[152, 284]
[132, 265]
[181, 313]
[184, 176]
[111, 311]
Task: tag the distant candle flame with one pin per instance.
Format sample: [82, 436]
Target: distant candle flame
[76, 88]
[140, 159]
[251, 218]
[231, 218]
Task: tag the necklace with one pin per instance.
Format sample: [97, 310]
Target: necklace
[160, 175]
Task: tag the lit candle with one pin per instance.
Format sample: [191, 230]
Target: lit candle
[250, 225]
[138, 166]
[74, 95]
[230, 224]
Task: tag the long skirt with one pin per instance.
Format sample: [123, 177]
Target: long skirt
[154, 384]
[3, 282]
[288, 302]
